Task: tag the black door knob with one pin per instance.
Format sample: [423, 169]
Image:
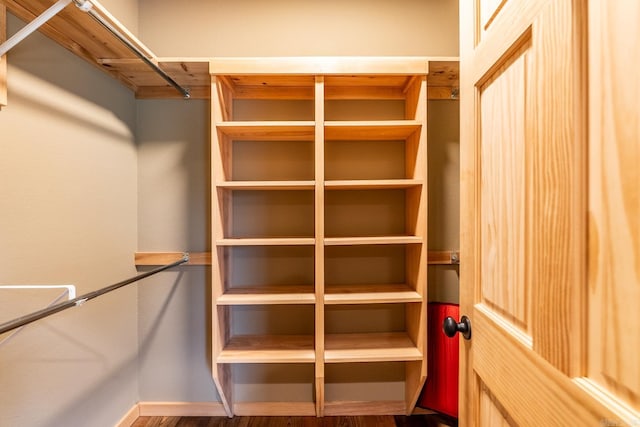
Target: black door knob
[451, 327]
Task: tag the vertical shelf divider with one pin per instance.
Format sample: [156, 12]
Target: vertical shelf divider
[416, 313]
[221, 373]
[319, 249]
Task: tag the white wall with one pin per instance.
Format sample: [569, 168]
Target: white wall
[68, 214]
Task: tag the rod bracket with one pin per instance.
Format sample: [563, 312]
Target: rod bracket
[32, 26]
[84, 5]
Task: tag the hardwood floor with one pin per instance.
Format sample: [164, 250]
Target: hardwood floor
[361, 421]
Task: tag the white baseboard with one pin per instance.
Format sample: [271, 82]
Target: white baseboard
[171, 409]
[130, 417]
[181, 409]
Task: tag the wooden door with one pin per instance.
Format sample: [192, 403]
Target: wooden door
[550, 245]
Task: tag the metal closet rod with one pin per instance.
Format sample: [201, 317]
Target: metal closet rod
[86, 6]
[45, 312]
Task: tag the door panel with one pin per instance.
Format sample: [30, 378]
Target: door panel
[549, 346]
[502, 146]
[557, 184]
[614, 199]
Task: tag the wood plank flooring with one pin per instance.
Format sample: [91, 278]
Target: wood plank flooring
[360, 421]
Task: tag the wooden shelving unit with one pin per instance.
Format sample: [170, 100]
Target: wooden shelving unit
[319, 176]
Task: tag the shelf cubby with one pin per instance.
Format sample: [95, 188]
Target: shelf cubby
[273, 389]
[372, 211]
[254, 275]
[372, 388]
[364, 274]
[262, 334]
[276, 213]
[264, 153]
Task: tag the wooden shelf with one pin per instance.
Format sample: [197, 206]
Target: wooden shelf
[371, 184]
[370, 130]
[204, 258]
[354, 184]
[373, 240]
[268, 349]
[370, 294]
[267, 241]
[142, 259]
[384, 407]
[268, 130]
[371, 347]
[261, 295]
[267, 185]
[289, 67]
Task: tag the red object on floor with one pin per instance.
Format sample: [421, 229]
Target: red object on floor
[440, 392]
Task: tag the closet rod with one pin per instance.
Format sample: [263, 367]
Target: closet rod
[86, 6]
[45, 312]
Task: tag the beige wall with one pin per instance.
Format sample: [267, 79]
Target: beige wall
[299, 27]
[125, 11]
[444, 195]
[173, 152]
[173, 165]
[67, 216]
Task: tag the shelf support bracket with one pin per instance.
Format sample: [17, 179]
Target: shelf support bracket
[33, 26]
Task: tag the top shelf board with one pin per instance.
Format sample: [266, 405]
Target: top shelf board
[321, 65]
[345, 77]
